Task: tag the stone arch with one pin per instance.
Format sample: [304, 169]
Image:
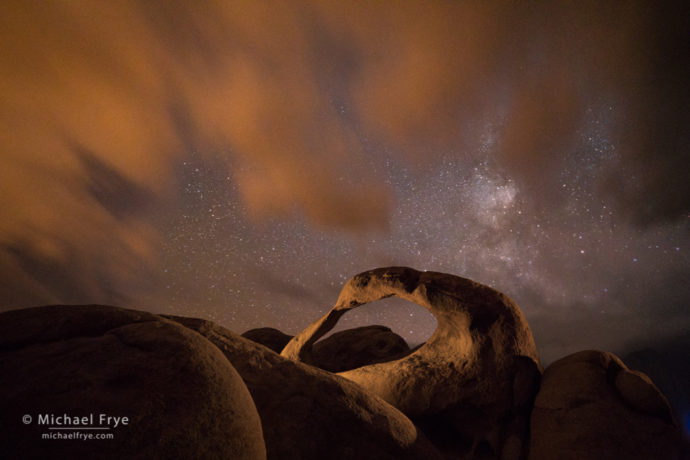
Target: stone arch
[481, 359]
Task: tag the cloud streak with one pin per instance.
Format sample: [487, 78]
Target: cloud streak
[101, 103]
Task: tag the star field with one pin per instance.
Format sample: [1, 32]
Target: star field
[240, 161]
[566, 256]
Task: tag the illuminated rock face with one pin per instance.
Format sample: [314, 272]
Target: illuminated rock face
[308, 413]
[476, 375]
[190, 388]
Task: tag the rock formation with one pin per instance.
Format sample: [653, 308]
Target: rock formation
[667, 364]
[343, 350]
[353, 348]
[590, 405]
[269, 337]
[192, 389]
[181, 396]
[310, 413]
[474, 378]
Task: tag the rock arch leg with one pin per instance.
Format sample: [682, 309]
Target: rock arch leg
[473, 365]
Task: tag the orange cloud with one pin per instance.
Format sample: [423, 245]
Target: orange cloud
[293, 96]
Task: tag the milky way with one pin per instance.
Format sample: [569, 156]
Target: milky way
[582, 279]
[239, 162]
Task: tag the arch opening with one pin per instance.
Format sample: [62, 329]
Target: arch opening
[414, 323]
[384, 330]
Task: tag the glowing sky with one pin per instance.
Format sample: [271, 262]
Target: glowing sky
[238, 161]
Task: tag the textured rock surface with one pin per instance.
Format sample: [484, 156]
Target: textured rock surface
[471, 383]
[192, 389]
[268, 337]
[310, 413]
[181, 395]
[357, 347]
[590, 405]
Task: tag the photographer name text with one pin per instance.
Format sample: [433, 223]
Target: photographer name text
[91, 420]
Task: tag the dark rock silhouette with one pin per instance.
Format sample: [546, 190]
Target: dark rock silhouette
[182, 397]
[310, 413]
[269, 337]
[590, 405]
[343, 350]
[353, 348]
[193, 389]
[667, 364]
[474, 378]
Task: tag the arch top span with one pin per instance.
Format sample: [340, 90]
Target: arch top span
[480, 331]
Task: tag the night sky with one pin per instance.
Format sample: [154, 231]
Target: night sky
[239, 161]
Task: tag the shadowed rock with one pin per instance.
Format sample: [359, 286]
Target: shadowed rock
[667, 364]
[357, 347]
[182, 397]
[269, 337]
[471, 384]
[590, 405]
[343, 350]
[310, 413]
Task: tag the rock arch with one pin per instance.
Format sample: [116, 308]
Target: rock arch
[480, 364]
